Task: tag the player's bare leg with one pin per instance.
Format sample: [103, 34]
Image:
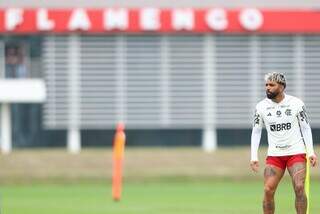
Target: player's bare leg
[272, 177]
[298, 174]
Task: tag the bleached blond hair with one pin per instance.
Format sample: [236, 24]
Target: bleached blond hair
[276, 77]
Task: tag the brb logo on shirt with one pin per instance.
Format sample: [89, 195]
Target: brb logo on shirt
[280, 127]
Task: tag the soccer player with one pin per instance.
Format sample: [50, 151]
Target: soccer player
[289, 139]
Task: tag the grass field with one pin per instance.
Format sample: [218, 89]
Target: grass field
[162, 197]
[157, 181]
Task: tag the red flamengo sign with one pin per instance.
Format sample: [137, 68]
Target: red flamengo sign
[111, 20]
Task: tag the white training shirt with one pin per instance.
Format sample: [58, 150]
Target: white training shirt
[287, 126]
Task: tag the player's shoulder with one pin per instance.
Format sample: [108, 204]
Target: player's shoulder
[294, 100]
[262, 104]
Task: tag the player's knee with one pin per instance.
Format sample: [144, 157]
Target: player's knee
[269, 190]
[299, 188]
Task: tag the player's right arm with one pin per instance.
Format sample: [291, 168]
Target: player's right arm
[255, 140]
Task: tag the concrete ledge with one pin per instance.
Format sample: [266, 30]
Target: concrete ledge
[22, 91]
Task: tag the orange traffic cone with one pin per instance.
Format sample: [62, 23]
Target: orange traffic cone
[118, 155]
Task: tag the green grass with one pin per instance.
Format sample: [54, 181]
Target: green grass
[152, 197]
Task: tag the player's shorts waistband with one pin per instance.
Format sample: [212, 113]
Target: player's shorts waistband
[285, 161]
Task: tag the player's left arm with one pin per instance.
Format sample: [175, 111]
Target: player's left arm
[307, 134]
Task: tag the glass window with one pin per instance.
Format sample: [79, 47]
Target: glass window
[22, 56]
[16, 58]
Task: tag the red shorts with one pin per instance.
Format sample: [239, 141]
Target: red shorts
[285, 161]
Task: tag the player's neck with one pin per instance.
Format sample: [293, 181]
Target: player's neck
[278, 98]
